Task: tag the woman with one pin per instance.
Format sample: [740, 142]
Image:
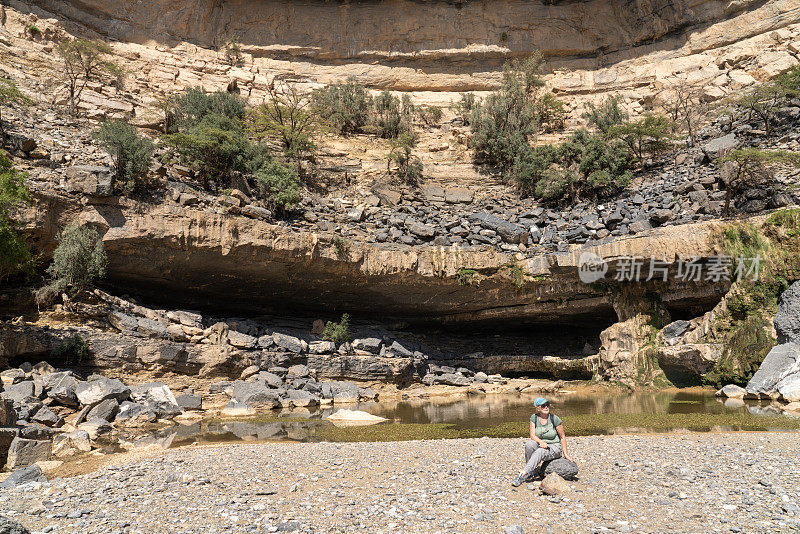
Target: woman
[547, 442]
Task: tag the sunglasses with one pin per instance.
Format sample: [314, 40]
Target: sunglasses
[544, 405]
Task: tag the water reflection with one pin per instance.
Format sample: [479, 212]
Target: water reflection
[479, 411]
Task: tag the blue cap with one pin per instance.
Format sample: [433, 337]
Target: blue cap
[538, 401]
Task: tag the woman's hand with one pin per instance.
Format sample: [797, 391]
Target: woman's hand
[544, 445]
[568, 457]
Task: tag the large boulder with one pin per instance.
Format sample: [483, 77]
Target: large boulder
[100, 389]
[106, 410]
[255, 394]
[71, 443]
[779, 374]
[89, 179]
[787, 320]
[22, 475]
[158, 397]
[300, 397]
[563, 467]
[694, 358]
[46, 416]
[25, 452]
[719, 146]
[8, 417]
[509, 232]
[19, 391]
[133, 414]
[731, 391]
[189, 401]
[7, 435]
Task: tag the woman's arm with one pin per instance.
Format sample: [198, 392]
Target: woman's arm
[535, 438]
[563, 438]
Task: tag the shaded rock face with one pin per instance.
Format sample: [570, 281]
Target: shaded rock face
[583, 28]
[779, 374]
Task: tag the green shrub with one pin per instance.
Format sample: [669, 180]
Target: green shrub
[232, 50]
[79, 260]
[409, 167]
[340, 244]
[15, 256]
[607, 115]
[10, 94]
[73, 350]
[392, 115]
[649, 135]
[34, 30]
[466, 276]
[345, 106]
[552, 112]
[465, 106]
[430, 115]
[278, 185]
[584, 166]
[338, 332]
[504, 123]
[284, 118]
[131, 152]
[188, 109]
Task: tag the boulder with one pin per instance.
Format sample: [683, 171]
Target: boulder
[509, 232]
[562, 467]
[95, 427]
[189, 401]
[106, 410]
[787, 320]
[271, 379]
[300, 397]
[19, 391]
[237, 409]
[695, 358]
[344, 417]
[321, 347]
[23, 475]
[8, 417]
[71, 443]
[553, 484]
[674, 329]
[297, 371]
[731, 391]
[7, 435]
[158, 397]
[286, 342]
[133, 414]
[242, 341]
[255, 394]
[780, 369]
[369, 344]
[89, 179]
[46, 416]
[25, 452]
[719, 146]
[100, 389]
[481, 377]
[12, 376]
[453, 379]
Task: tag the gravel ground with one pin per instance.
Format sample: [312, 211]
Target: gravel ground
[726, 482]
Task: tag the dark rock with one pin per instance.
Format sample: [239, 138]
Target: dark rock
[563, 467]
[675, 329]
[45, 416]
[158, 397]
[302, 398]
[290, 343]
[23, 475]
[717, 147]
[255, 394]
[133, 413]
[7, 435]
[272, 380]
[787, 320]
[8, 417]
[24, 452]
[369, 344]
[100, 389]
[17, 392]
[189, 401]
[453, 379]
[89, 179]
[105, 410]
[509, 232]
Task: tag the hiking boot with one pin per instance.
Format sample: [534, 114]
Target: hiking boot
[517, 480]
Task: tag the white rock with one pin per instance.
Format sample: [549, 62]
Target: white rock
[344, 417]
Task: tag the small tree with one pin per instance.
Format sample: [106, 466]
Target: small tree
[748, 167]
[284, 119]
[185, 110]
[504, 123]
[131, 152]
[686, 107]
[15, 256]
[338, 332]
[430, 115]
[409, 167]
[763, 102]
[552, 112]
[465, 106]
[606, 115]
[393, 115]
[649, 135]
[10, 94]
[345, 106]
[232, 51]
[78, 261]
[278, 185]
[84, 61]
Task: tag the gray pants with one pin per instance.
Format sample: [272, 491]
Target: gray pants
[534, 454]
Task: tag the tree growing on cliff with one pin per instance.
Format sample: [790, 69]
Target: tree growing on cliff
[85, 61]
[392, 115]
[278, 185]
[345, 106]
[504, 123]
[78, 261]
[284, 118]
[10, 94]
[338, 332]
[15, 256]
[749, 167]
[650, 134]
[132, 153]
[606, 115]
[409, 166]
[686, 107]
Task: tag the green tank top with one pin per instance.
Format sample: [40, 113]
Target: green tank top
[547, 432]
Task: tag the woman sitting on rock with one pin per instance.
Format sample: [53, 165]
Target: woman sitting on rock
[547, 442]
